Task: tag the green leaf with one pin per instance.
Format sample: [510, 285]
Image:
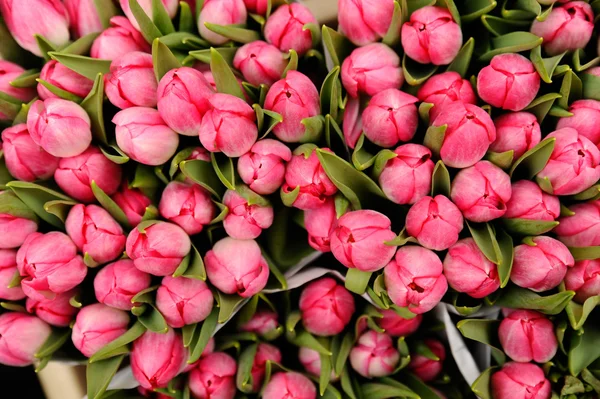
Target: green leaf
[485, 238]
[46, 47]
[520, 298]
[500, 26]
[186, 18]
[526, 227]
[147, 27]
[21, 116]
[224, 77]
[16, 280]
[591, 379]
[570, 90]
[54, 342]
[347, 384]
[313, 128]
[585, 253]
[203, 335]
[545, 66]
[115, 154]
[93, 105]
[195, 269]
[331, 94]
[153, 320]
[325, 373]
[541, 105]
[336, 45]
[471, 10]
[484, 331]
[224, 169]
[99, 375]
[578, 313]
[419, 387]
[82, 45]
[205, 55]
[110, 205]
[162, 59]
[524, 9]
[579, 55]
[292, 63]
[434, 138]
[239, 35]
[227, 305]
[514, 42]
[461, 62]
[416, 73]
[59, 208]
[85, 66]
[109, 349]
[533, 161]
[392, 37]
[243, 380]
[502, 160]
[26, 79]
[203, 173]
[35, 197]
[482, 385]
[161, 18]
[449, 4]
[361, 159]
[586, 351]
[357, 281]
[188, 332]
[440, 180]
[65, 95]
[413, 5]
[9, 106]
[381, 161]
[383, 391]
[106, 10]
[344, 352]
[507, 252]
[11, 204]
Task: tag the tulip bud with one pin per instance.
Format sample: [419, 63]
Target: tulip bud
[358, 240]
[97, 325]
[76, 174]
[542, 266]
[229, 126]
[60, 127]
[14, 230]
[263, 167]
[27, 18]
[49, 264]
[131, 81]
[516, 131]
[468, 135]
[568, 27]
[260, 63]
[8, 269]
[133, 203]
[431, 36]
[414, 279]
[285, 28]
[318, 223]
[434, 222]
[220, 12]
[57, 312]
[117, 283]
[289, 385]
[296, 98]
[481, 192]
[63, 78]
[585, 119]
[83, 17]
[24, 159]
[157, 358]
[183, 301]
[183, 99]
[374, 355]
[264, 353]
[144, 137]
[428, 369]
[582, 228]
[469, 271]
[214, 377]
[583, 278]
[371, 69]
[187, 205]
[256, 6]
[21, 336]
[526, 335]
[352, 124]
[237, 267]
[249, 214]
[311, 360]
[391, 116]
[520, 381]
[528, 201]
[326, 307]
[8, 73]
[170, 6]
[264, 323]
[445, 88]
[120, 39]
[396, 325]
[574, 165]
[159, 248]
[406, 178]
[365, 21]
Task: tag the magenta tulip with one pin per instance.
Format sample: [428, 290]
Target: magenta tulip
[8, 270]
[425, 368]
[170, 6]
[56, 312]
[97, 325]
[264, 323]
[117, 283]
[84, 17]
[133, 203]
[365, 21]
[64, 79]
[352, 124]
[318, 223]
[264, 353]
[445, 88]
[256, 6]
[528, 201]
[183, 301]
[260, 63]
[290, 385]
[374, 355]
[326, 307]
[516, 131]
[120, 39]
[214, 377]
[396, 325]
[585, 119]
[582, 228]
[263, 167]
[584, 279]
[520, 381]
[249, 214]
[131, 81]
[15, 230]
[434, 222]
[21, 336]
[187, 205]
[285, 28]
[526, 335]
[220, 12]
[391, 116]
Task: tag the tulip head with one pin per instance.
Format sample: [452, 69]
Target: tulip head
[264, 323]
[585, 119]
[516, 131]
[15, 230]
[581, 229]
[84, 17]
[285, 28]
[117, 283]
[365, 21]
[425, 368]
[584, 279]
[214, 377]
[396, 325]
[520, 381]
[326, 307]
[65, 79]
[289, 384]
[119, 39]
[249, 214]
[260, 63]
[263, 167]
[318, 223]
[264, 353]
[434, 222]
[131, 81]
[187, 205]
[97, 325]
[183, 301]
[445, 88]
[374, 355]
[528, 336]
[133, 203]
[8, 269]
[528, 201]
[9, 72]
[21, 336]
[56, 312]
[170, 6]
[220, 12]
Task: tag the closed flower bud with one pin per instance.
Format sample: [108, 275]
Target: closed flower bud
[428, 369]
[60, 127]
[170, 6]
[21, 336]
[374, 355]
[220, 12]
[585, 119]
[260, 63]
[326, 307]
[97, 325]
[131, 81]
[516, 131]
[290, 385]
[311, 360]
[285, 28]
[371, 69]
[57, 312]
[318, 223]
[434, 222]
[414, 279]
[358, 239]
[183, 301]
[528, 201]
[263, 322]
[76, 174]
[365, 21]
[187, 205]
[117, 283]
[481, 192]
[396, 325]
[542, 266]
[214, 377]
[256, 6]
[431, 36]
[65, 79]
[144, 137]
[352, 124]
[526, 335]
[14, 230]
[445, 88]
[391, 116]
[120, 39]
[263, 167]
[237, 267]
[520, 381]
[8, 73]
[583, 278]
[264, 353]
[249, 214]
[84, 17]
[133, 203]
[469, 271]
[8, 269]
[581, 229]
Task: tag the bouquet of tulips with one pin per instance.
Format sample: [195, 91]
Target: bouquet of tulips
[219, 199]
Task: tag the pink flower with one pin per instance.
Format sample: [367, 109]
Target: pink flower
[520, 381]
[8, 269]
[237, 267]
[131, 81]
[374, 355]
[352, 124]
[21, 336]
[263, 167]
[256, 6]
[396, 325]
[249, 214]
[57, 312]
[83, 17]
[481, 192]
[431, 36]
[8, 73]
[263, 322]
[311, 361]
[585, 119]
[171, 7]
[285, 28]
[97, 325]
[428, 369]
[14, 230]
[63, 78]
[391, 116]
[214, 377]
[434, 222]
[516, 131]
[584, 279]
[326, 307]
[221, 12]
[290, 385]
[528, 201]
[445, 88]
[187, 205]
[260, 63]
[183, 300]
[583, 228]
[120, 39]
[264, 353]
[526, 335]
[133, 202]
[117, 283]
[365, 21]
[318, 223]
[414, 279]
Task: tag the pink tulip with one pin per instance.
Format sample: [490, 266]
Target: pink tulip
[264, 353]
[311, 361]
[8, 269]
[159, 248]
[326, 307]
[183, 301]
[526, 335]
[260, 63]
[542, 266]
[249, 214]
[97, 325]
[528, 201]
[290, 385]
[21, 336]
[144, 137]
[63, 78]
[157, 358]
[237, 267]
[396, 325]
[434, 222]
[584, 279]
[76, 174]
[469, 271]
[516, 131]
[263, 322]
[358, 240]
[481, 192]
[352, 124]
[365, 21]
[170, 6]
[520, 381]
[568, 27]
[60, 127]
[374, 355]
[414, 279]
[285, 28]
[391, 116]
[49, 264]
[131, 81]
[406, 178]
[220, 12]
[428, 369]
[24, 159]
[371, 69]
[585, 119]
[582, 228]
[183, 99]
[431, 36]
[15, 230]
[445, 88]
[117, 283]
[57, 312]
[8, 73]
[214, 377]
[574, 165]
[27, 18]
[120, 39]
[318, 223]
[187, 205]
[256, 6]
[263, 167]
[468, 135]
[133, 203]
[83, 17]
[200, 153]
[229, 126]
[296, 98]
